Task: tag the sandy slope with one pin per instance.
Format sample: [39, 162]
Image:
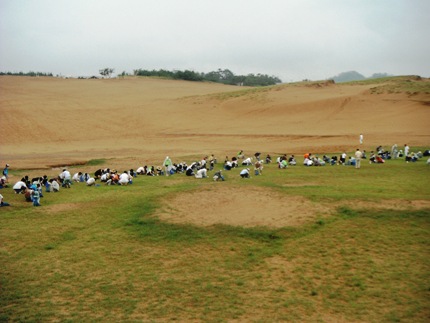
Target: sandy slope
[48, 121]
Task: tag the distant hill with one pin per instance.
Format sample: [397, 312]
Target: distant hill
[355, 76]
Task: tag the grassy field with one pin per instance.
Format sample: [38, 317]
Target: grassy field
[102, 254]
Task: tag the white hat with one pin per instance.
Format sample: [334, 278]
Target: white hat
[7, 165]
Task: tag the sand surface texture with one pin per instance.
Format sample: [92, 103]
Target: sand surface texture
[52, 121]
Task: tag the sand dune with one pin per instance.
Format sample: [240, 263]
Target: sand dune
[46, 121]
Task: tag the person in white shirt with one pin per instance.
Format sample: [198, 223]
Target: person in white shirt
[292, 160]
[91, 181]
[76, 177]
[361, 138]
[202, 173]
[124, 178]
[394, 151]
[19, 187]
[67, 178]
[406, 150]
[228, 165]
[203, 162]
[55, 186]
[247, 161]
[245, 173]
[105, 177]
[308, 162]
[343, 158]
[66, 174]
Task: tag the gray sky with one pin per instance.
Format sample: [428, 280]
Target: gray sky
[293, 40]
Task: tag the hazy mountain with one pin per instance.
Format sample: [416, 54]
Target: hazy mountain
[348, 77]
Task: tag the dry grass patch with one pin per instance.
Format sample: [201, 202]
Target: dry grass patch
[65, 207]
[388, 204]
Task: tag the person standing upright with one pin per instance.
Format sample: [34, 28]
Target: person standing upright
[358, 156]
[167, 165]
[6, 173]
[406, 150]
[361, 138]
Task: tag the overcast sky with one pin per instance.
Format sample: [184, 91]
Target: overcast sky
[290, 39]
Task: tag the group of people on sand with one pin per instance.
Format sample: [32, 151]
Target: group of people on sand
[32, 188]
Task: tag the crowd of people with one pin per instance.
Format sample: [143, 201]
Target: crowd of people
[32, 189]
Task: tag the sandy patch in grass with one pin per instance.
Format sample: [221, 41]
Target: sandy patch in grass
[256, 206]
[243, 206]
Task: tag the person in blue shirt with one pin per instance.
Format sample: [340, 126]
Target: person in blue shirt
[6, 173]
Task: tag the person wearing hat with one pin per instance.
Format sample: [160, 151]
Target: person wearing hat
[3, 182]
[218, 176]
[245, 173]
[159, 171]
[6, 173]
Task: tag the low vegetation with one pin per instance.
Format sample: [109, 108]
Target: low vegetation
[31, 73]
[410, 85]
[102, 253]
[220, 76]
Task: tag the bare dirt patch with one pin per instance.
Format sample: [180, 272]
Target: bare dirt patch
[256, 206]
[246, 207]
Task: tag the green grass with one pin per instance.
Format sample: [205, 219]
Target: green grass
[96, 162]
[101, 254]
[411, 85]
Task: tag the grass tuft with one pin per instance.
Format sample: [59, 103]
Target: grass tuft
[95, 162]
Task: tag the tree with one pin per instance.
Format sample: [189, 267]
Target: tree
[106, 71]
